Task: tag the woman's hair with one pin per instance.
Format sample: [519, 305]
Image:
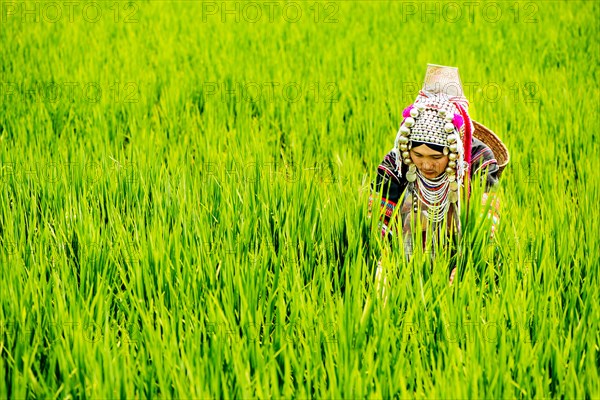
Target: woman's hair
[435, 147]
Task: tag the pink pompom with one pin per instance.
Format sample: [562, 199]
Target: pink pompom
[406, 112]
[458, 121]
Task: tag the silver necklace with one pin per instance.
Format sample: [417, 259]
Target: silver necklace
[437, 200]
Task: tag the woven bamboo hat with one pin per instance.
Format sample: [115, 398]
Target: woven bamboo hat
[488, 137]
[445, 79]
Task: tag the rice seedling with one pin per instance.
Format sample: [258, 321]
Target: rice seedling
[184, 190]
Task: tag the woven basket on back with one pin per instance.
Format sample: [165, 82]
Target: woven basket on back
[488, 137]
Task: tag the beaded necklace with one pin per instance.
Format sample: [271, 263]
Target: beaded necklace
[434, 194]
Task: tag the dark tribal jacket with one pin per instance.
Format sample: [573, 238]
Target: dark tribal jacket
[393, 186]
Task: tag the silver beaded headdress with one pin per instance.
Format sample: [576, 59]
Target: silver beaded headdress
[437, 117]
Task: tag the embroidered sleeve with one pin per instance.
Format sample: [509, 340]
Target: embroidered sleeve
[484, 165]
[387, 189]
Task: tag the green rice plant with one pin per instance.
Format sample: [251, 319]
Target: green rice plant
[183, 202]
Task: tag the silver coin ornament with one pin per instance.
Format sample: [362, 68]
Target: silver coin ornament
[411, 175]
[452, 196]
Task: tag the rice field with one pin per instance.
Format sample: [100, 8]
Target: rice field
[184, 190]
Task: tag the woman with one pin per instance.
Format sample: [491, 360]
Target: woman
[435, 155]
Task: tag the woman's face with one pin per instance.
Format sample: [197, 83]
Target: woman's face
[430, 162]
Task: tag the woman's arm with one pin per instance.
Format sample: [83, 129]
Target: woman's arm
[485, 166]
[386, 190]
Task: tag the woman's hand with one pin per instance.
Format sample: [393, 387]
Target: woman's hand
[493, 213]
[452, 275]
